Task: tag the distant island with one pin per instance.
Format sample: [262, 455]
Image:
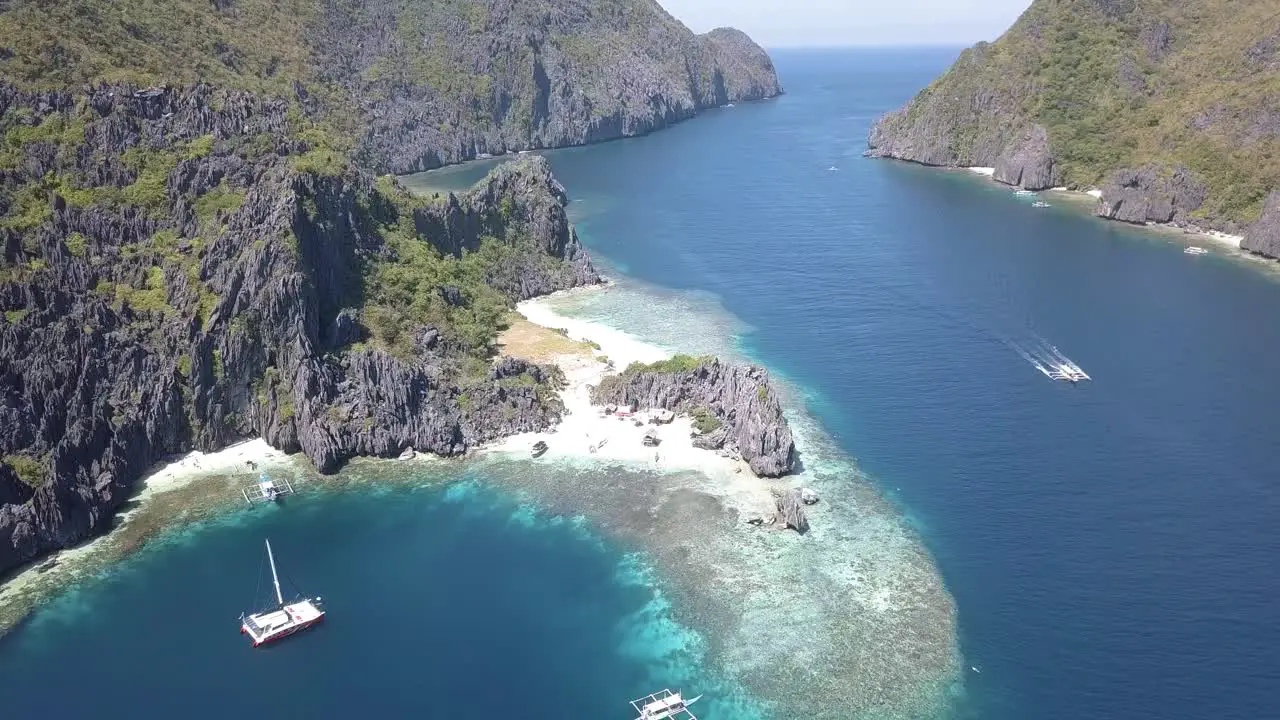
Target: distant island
[1169, 108]
[198, 248]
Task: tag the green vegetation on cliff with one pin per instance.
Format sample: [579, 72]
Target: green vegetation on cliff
[675, 364]
[408, 84]
[1118, 84]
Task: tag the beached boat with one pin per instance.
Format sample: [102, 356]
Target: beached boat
[282, 620]
[266, 490]
[664, 704]
[1193, 250]
[539, 449]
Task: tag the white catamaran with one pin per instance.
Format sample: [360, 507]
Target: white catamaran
[282, 620]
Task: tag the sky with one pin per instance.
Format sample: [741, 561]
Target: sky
[796, 23]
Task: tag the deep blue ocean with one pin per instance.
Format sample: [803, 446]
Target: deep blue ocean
[1111, 547]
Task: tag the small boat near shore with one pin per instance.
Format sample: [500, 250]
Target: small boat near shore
[1193, 250]
[266, 490]
[539, 449]
[282, 620]
[664, 704]
[1040, 204]
[1024, 193]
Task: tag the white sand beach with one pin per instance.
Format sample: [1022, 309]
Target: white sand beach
[195, 465]
[66, 565]
[984, 171]
[587, 434]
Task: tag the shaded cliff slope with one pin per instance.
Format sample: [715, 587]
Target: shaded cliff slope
[406, 85]
[735, 406]
[1171, 107]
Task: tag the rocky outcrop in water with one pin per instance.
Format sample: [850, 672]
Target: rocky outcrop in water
[1168, 107]
[747, 415]
[178, 274]
[790, 511]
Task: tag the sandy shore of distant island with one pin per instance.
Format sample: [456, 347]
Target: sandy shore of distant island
[1220, 238]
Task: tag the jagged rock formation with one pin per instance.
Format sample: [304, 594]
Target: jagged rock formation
[1027, 163]
[1264, 237]
[740, 399]
[175, 279]
[1170, 107]
[790, 511]
[411, 84]
[1148, 195]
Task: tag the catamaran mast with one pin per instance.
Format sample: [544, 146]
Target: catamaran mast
[274, 578]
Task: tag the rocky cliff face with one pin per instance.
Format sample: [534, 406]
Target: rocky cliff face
[533, 75]
[1172, 108]
[1264, 237]
[740, 398]
[195, 253]
[179, 273]
[410, 84]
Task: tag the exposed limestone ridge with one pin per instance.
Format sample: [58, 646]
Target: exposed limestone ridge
[747, 416]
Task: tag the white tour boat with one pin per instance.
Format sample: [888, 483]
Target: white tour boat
[664, 704]
[266, 490]
[1193, 250]
[1024, 193]
[284, 619]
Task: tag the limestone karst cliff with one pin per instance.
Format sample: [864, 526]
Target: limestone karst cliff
[197, 248]
[1170, 108]
[735, 405]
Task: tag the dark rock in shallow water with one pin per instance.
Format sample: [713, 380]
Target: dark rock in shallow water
[740, 397]
[790, 513]
[1263, 237]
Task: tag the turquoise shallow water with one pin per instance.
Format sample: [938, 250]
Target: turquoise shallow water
[442, 600]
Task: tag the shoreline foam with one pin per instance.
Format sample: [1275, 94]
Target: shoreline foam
[22, 591]
[1218, 237]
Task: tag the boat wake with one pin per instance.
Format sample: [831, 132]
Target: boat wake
[1048, 359]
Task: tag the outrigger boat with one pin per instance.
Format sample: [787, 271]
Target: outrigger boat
[1067, 372]
[539, 449]
[282, 620]
[266, 490]
[664, 704]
